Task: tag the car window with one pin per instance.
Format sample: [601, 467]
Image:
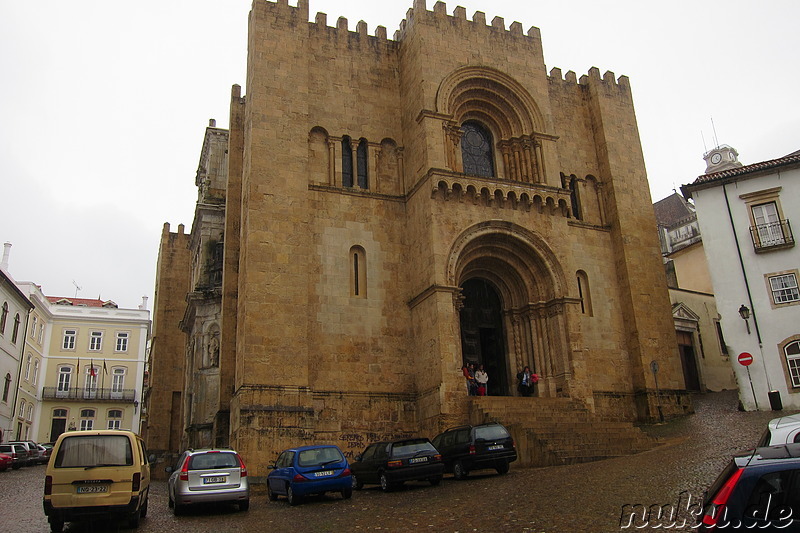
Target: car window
[462, 436]
[281, 460]
[438, 440]
[381, 451]
[369, 453]
[208, 461]
[412, 447]
[491, 433]
[775, 494]
[319, 456]
[180, 462]
[94, 450]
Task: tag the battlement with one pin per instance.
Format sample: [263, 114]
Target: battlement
[593, 76]
[419, 11]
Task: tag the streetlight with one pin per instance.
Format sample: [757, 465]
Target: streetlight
[135, 406]
[744, 312]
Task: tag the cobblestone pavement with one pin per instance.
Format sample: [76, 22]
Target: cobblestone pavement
[577, 498]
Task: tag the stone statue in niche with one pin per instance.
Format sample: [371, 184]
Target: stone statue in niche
[213, 350]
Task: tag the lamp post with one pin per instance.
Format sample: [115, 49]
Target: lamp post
[744, 312]
[135, 406]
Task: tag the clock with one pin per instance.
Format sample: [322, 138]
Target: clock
[716, 158]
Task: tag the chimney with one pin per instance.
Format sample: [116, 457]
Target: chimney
[212, 123]
[6, 252]
[143, 306]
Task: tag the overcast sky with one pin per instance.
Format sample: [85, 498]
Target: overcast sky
[104, 106]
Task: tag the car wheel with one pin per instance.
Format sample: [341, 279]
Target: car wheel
[143, 509]
[385, 485]
[435, 480]
[459, 472]
[133, 521]
[293, 498]
[347, 493]
[56, 526]
[502, 469]
[357, 483]
[271, 495]
[244, 505]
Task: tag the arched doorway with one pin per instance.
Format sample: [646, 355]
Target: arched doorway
[482, 332]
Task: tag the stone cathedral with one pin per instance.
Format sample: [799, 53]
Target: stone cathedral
[381, 212]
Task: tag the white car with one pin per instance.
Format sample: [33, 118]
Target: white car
[782, 430]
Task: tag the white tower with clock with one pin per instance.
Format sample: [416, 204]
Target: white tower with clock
[723, 157]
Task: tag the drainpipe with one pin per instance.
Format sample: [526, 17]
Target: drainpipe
[747, 287]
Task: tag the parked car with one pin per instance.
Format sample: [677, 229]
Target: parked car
[5, 462]
[758, 490]
[208, 475]
[44, 453]
[307, 470]
[103, 473]
[31, 451]
[389, 464]
[468, 448]
[781, 430]
[18, 453]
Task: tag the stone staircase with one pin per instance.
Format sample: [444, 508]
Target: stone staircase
[559, 431]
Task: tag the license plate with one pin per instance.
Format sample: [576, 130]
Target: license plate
[217, 479]
[418, 460]
[92, 489]
[323, 473]
[496, 447]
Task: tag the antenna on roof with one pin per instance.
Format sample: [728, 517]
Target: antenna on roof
[705, 149]
[716, 140]
[76, 288]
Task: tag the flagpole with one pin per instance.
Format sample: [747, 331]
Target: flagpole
[77, 378]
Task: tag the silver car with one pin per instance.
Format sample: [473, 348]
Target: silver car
[208, 475]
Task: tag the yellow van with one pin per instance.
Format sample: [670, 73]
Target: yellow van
[97, 473]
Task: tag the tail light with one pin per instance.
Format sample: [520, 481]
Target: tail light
[184, 475]
[437, 458]
[299, 478]
[395, 463]
[137, 482]
[513, 444]
[472, 449]
[345, 472]
[716, 509]
[48, 485]
[243, 469]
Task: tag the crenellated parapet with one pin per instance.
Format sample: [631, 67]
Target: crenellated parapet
[459, 16]
[591, 78]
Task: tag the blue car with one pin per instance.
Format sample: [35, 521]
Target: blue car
[307, 470]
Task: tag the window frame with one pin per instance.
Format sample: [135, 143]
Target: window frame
[95, 340]
[771, 291]
[69, 339]
[3, 318]
[122, 338]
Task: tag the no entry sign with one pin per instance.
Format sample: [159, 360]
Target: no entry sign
[745, 359]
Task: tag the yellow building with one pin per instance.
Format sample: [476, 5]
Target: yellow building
[94, 356]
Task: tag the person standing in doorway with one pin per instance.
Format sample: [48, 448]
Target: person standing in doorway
[482, 378]
[469, 375]
[526, 381]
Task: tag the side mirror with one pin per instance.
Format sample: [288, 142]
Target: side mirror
[151, 458]
[169, 469]
[357, 457]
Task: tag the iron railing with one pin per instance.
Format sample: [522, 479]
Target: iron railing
[97, 394]
[772, 235]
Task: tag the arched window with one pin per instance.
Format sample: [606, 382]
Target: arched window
[3, 318]
[64, 380]
[347, 162]
[584, 293]
[476, 150]
[117, 382]
[575, 198]
[35, 372]
[361, 160]
[15, 333]
[114, 418]
[792, 351]
[6, 387]
[358, 272]
[21, 413]
[87, 419]
[28, 363]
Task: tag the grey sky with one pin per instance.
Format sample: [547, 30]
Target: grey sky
[104, 106]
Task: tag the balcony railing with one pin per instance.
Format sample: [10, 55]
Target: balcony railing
[772, 235]
[98, 394]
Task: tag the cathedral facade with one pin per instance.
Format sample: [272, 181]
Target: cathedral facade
[383, 211]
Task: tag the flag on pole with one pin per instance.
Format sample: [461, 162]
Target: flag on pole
[105, 370]
[92, 373]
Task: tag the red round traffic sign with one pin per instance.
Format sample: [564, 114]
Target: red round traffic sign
[745, 359]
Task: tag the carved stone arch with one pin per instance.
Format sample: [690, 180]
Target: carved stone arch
[533, 292]
[485, 84]
[320, 156]
[388, 167]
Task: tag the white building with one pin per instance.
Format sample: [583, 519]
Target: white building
[14, 309]
[745, 215]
